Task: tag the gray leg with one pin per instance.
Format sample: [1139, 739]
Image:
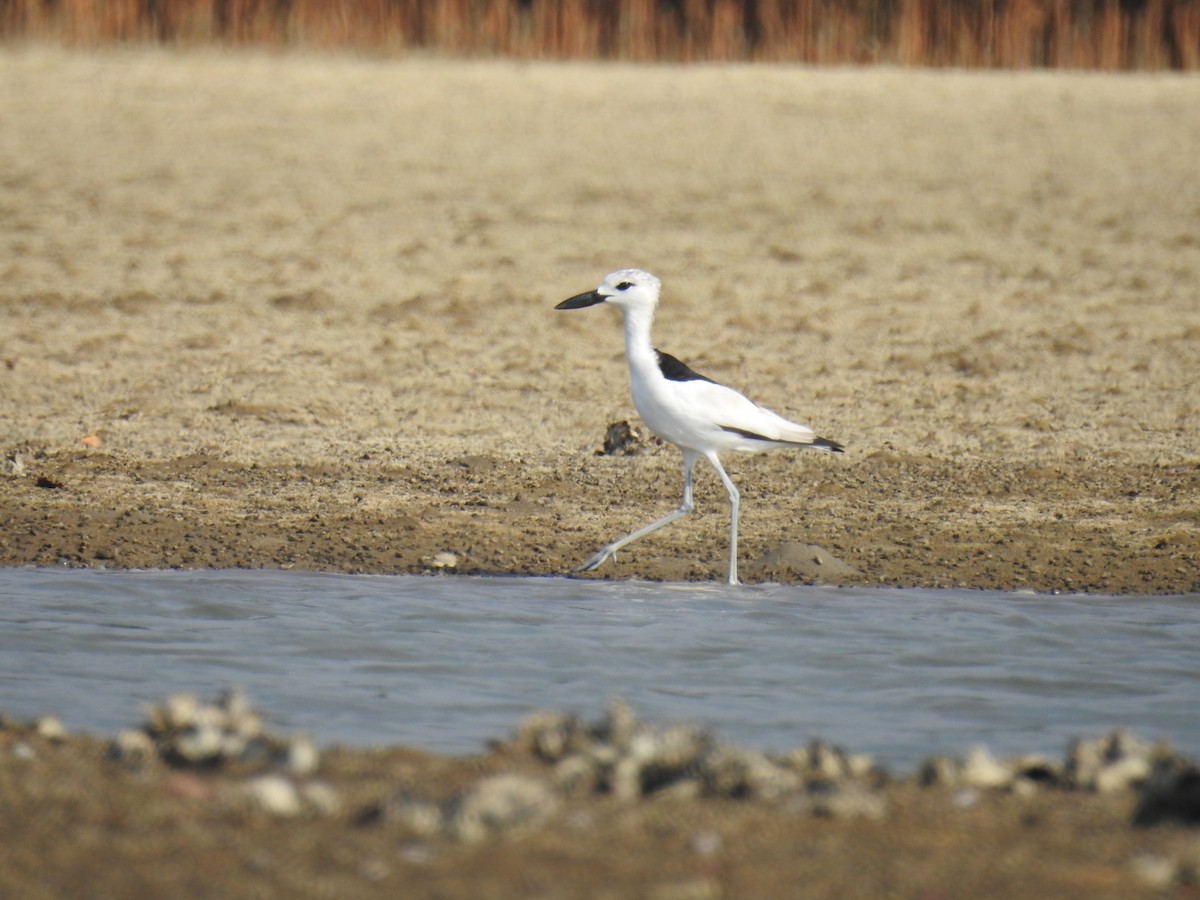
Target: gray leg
[734, 501]
[689, 465]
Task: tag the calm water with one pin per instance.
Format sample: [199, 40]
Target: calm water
[446, 663]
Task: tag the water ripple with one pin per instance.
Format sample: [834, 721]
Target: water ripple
[446, 663]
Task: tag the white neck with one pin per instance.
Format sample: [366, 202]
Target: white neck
[639, 349]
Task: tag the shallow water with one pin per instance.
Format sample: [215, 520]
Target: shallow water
[446, 663]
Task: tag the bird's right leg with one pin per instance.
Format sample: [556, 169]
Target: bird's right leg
[610, 550]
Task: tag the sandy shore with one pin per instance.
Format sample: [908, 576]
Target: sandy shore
[297, 311]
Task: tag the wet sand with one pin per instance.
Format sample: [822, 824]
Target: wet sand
[296, 311]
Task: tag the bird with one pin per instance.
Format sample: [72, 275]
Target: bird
[698, 415]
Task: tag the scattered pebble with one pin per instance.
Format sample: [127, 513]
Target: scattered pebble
[706, 843]
[184, 731]
[626, 758]
[622, 756]
[498, 804]
[321, 797]
[1118, 761]
[982, 770]
[847, 800]
[274, 794]
[1155, 871]
[444, 559]
[51, 728]
[1114, 762]
[302, 757]
[966, 798]
[134, 748]
[421, 816]
[12, 463]
[23, 750]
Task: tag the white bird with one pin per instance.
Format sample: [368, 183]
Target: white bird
[697, 415]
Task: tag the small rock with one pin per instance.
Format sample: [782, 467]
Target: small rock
[414, 813]
[620, 724]
[176, 713]
[982, 770]
[860, 765]
[737, 773]
[1121, 774]
[188, 732]
[977, 769]
[444, 559]
[321, 797]
[238, 716]
[499, 804]
[302, 757]
[847, 800]
[274, 794]
[1153, 870]
[199, 745]
[1113, 762]
[133, 747]
[51, 728]
[23, 750]
[550, 736]
[829, 762]
[966, 798]
[939, 771]
[656, 758]
[12, 464]
[576, 775]
[706, 843]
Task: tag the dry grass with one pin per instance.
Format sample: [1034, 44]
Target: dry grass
[1092, 34]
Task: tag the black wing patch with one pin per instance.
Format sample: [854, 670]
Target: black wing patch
[674, 370]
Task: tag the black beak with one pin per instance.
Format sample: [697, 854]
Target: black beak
[579, 301]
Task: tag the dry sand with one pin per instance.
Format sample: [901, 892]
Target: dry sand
[297, 311]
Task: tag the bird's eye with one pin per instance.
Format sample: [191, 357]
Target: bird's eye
[624, 285]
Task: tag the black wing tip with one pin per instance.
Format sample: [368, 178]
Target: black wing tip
[815, 444]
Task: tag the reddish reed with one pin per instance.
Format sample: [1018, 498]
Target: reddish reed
[1095, 34]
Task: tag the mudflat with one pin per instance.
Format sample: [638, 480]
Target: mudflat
[297, 311]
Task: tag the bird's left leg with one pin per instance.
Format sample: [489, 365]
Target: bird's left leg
[685, 507]
[734, 500]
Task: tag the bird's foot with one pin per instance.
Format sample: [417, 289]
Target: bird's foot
[596, 561]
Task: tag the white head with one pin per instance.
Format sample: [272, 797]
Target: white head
[627, 289]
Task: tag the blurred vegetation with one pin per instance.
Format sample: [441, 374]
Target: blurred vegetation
[1091, 34]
